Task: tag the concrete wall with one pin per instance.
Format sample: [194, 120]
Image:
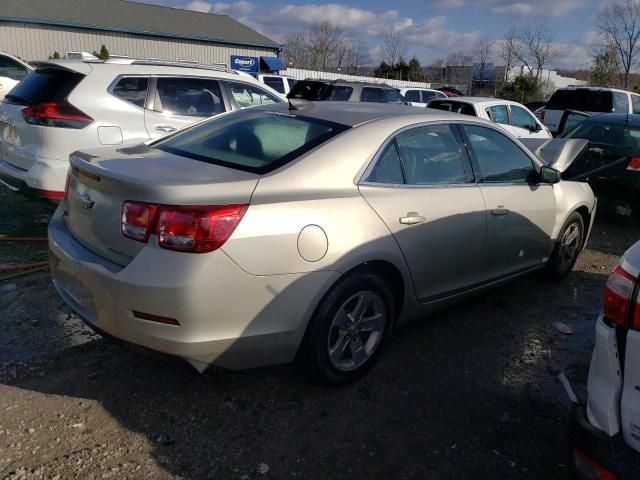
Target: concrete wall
[38, 42]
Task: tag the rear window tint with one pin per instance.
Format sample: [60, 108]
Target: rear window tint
[381, 95]
[249, 140]
[453, 106]
[309, 90]
[44, 85]
[132, 89]
[581, 99]
[339, 93]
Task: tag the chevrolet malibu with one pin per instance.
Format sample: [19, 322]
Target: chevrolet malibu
[305, 232]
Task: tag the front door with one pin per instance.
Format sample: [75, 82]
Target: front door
[520, 210]
[422, 189]
[181, 101]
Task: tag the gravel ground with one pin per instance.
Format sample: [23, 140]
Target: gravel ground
[471, 392]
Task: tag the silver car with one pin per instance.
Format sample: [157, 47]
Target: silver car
[305, 231]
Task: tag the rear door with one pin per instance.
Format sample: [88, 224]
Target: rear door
[180, 101]
[422, 188]
[20, 142]
[520, 213]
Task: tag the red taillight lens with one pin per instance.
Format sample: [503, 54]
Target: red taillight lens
[634, 164]
[197, 229]
[617, 295]
[542, 116]
[50, 194]
[590, 469]
[138, 220]
[56, 114]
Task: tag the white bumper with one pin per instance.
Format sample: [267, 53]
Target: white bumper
[44, 174]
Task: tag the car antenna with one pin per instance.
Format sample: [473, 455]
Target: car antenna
[300, 104]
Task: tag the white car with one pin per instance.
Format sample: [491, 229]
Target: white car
[590, 100]
[512, 116]
[280, 83]
[419, 97]
[605, 435]
[69, 105]
[12, 71]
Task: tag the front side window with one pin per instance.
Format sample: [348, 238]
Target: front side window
[252, 140]
[427, 95]
[522, 119]
[12, 69]
[500, 159]
[277, 83]
[387, 169]
[620, 102]
[412, 96]
[247, 95]
[635, 101]
[132, 90]
[189, 97]
[430, 156]
[498, 114]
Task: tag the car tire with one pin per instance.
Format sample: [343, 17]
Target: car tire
[348, 329]
[567, 248]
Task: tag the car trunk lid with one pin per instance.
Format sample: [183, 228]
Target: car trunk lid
[558, 153]
[102, 180]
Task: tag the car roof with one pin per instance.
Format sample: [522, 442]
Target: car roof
[356, 113]
[348, 82]
[477, 100]
[595, 89]
[616, 118]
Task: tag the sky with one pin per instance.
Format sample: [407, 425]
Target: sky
[430, 28]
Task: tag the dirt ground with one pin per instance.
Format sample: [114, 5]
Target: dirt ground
[468, 393]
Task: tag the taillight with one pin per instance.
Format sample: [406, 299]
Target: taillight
[542, 116]
[618, 296]
[195, 229]
[634, 164]
[50, 194]
[56, 114]
[138, 220]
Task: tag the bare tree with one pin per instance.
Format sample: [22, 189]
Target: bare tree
[620, 25]
[393, 48]
[458, 68]
[357, 56]
[482, 54]
[507, 51]
[296, 50]
[325, 40]
[532, 46]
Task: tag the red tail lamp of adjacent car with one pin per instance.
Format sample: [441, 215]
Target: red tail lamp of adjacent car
[56, 114]
[621, 299]
[194, 229]
[634, 164]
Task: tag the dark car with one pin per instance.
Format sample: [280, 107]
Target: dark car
[345, 91]
[611, 162]
[451, 92]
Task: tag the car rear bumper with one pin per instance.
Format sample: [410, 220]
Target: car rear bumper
[226, 316]
[45, 179]
[595, 451]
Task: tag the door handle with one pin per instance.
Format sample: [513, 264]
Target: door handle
[412, 218]
[500, 211]
[165, 128]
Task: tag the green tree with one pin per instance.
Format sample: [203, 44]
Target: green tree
[415, 72]
[605, 69]
[524, 88]
[56, 55]
[383, 71]
[104, 53]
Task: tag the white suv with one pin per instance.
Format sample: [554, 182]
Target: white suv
[280, 83]
[12, 71]
[589, 100]
[69, 105]
[419, 97]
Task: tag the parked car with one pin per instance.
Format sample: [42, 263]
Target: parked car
[533, 106]
[590, 100]
[512, 116]
[12, 71]
[451, 92]
[280, 83]
[605, 435]
[611, 163]
[305, 231]
[345, 91]
[419, 97]
[68, 105]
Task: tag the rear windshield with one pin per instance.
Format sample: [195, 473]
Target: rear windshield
[453, 106]
[581, 99]
[44, 85]
[620, 135]
[250, 140]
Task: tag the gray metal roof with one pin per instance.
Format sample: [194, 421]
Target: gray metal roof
[131, 17]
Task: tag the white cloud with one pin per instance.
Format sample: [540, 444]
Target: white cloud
[538, 8]
[234, 9]
[199, 6]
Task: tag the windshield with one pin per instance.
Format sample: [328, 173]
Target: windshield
[250, 140]
[581, 99]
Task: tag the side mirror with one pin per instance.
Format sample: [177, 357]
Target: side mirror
[549, 174]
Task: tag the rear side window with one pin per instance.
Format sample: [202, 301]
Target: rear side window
[292, 83]
[430, 156]
[44, 85]
[339, 93]
[635, 102]
[413, 96]
[189, 97]
[380, 95]
[12, 69]
[247, 95]
[132, 90]
[426, 96]
[498, 114]
[620, 102]
[387, 169]
[276, 83]
[308, 90]
[252, 140]
[581, 99]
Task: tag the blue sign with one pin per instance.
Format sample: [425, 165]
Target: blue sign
[244, 64]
